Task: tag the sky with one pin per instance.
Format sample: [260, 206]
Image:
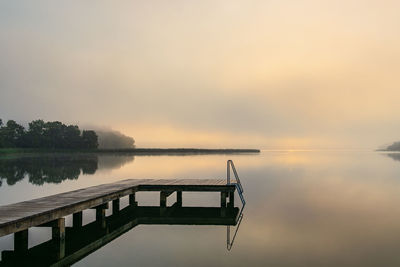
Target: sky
[284, 74]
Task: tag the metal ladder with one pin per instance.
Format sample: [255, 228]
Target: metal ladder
[238, 184]
[239, 187]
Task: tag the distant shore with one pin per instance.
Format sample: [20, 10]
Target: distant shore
[133, 151]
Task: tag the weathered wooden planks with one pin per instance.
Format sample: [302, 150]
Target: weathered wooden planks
[20, 216]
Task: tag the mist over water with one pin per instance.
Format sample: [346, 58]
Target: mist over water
[304, 208]
[259, 74]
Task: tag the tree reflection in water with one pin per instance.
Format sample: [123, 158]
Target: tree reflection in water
[54, 168]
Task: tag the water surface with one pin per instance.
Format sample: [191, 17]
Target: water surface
[304, 208]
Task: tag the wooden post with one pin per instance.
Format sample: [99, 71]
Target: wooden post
[223, 199]
[77, 220]
[21, 241]
[223, 203]
[179, 198]
[101, 214]
[231, 199]
[163, 199]
[115, 206]
[132, 200]
[101, 217]
[58, 237]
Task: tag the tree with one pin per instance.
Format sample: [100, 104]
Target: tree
[53, 134]
[35, 134]
[12, 134]
[41, 134]
[72, 137]
[1, 135]
[90, 139]
[394, 147]
[114, 139]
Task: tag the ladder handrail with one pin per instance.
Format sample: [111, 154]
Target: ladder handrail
[229, 242]
[239, 187]
[229, 165]
[238, 184]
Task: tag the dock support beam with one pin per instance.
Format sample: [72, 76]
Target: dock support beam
[231, 199]
[101, 214]
[21, 241]
[179, 198]
[77, 219]
[58, 237]
[224, 195]
[115, 206]
[163, 198]
[132, 200]
[163, 201]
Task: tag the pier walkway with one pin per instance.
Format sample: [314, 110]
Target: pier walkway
[51, 211]
[84, 240]
[17, 217]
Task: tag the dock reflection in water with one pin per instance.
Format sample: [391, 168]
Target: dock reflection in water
[83, 240]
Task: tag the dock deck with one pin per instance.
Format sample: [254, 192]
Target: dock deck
[66, 242]
[82, 241]
[18, 217]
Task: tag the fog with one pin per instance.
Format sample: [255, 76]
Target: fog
[301, 74]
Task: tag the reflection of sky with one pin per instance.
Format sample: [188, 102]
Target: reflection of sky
[303, 209]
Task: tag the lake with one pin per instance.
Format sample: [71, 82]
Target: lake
[304, 208]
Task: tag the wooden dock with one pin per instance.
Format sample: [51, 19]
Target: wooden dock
[50, 211]
[82, 241]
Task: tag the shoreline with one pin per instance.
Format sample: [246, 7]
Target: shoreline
[131, 151]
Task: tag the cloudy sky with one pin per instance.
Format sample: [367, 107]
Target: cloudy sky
[270, 74]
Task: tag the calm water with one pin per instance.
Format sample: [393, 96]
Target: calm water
[304, 208]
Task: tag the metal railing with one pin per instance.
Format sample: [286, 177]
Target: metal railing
[238, 184]
[229, 242]
[239, 187]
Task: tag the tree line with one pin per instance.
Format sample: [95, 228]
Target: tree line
[394, 147]
[49, 135]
